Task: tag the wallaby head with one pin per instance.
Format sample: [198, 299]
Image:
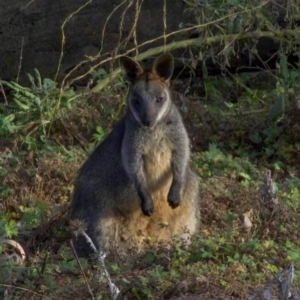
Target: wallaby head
[149, 98]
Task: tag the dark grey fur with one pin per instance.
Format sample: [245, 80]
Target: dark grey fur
[123, 188]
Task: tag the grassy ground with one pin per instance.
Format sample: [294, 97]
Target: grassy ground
[239, 134]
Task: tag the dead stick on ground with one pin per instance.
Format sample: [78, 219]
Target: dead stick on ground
[23, 289]
[114, 290]
[82, 272]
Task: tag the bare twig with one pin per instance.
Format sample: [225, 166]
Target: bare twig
[126, 40]
[23, 289]
[101, 257]
[63, 40]
[21, 59]
[105, 24]
[29, 3]
[245, 113]
[78, 228]
[165, 21]
[82, 271]
[138, 8]
[3, 93]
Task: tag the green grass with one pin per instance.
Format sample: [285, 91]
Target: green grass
[234, 143]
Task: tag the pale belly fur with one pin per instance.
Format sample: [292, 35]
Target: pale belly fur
[133, 229]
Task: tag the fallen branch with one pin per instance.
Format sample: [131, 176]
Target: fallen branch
[283, 281]
[275, 35]
[78, 228]
[82, 271]
[114, 291]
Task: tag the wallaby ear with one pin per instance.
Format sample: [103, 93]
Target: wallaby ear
[163, 66]
[131, 69]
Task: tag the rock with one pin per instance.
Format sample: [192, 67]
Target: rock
[37, 25]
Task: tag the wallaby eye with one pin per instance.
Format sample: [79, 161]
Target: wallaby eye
[159, 99]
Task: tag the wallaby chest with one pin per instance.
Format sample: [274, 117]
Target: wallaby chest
[157, 150]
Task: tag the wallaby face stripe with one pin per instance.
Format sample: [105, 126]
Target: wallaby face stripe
[165, 108]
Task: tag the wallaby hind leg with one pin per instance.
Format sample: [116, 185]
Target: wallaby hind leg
[187, 217]
[122, 232]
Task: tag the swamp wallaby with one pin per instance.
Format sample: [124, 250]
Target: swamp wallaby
[137, 185]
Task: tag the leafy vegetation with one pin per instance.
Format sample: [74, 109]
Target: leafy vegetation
[232, 157]
[33, 109]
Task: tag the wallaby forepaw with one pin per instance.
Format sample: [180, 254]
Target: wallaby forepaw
[174, 203]
[148, 208]
[174, 199]
[174, 195]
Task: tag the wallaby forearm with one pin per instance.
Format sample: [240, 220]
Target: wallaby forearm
[133, 163]
[137, 177]
[180, 157]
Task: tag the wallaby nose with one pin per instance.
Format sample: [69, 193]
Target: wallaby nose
[146, 120]
[149, 119]
[147, 123]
